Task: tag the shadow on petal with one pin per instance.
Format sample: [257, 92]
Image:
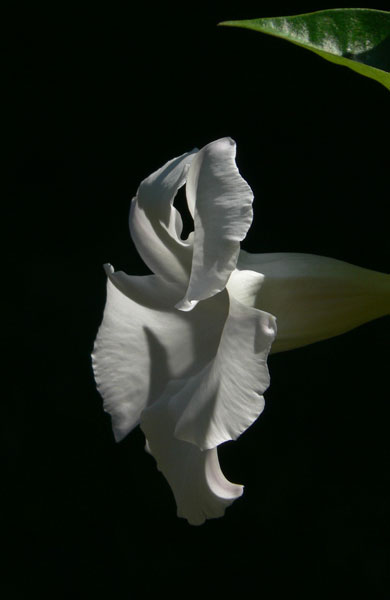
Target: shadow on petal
[158, 378]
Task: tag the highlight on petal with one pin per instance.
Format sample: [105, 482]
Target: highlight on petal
[225, 398]
[245, 286]
[220, 201]
[200, 489]
[156, 225]
[315, 297]
[142, 343]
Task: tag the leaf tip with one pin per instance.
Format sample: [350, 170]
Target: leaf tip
[231, 23]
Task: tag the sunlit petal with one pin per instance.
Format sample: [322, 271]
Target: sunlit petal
[245, 286]
[225, 398]
[221, 203]
[143, 342]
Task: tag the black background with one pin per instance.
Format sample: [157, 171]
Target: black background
[100, 97]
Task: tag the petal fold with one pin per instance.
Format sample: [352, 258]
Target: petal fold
[200, 489]
[245, 286]
[220, 201]
[220, 402]
[143, 343]
[156, 225]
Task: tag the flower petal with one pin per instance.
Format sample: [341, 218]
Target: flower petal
[201, 490]
[315, 297]
[245, 286]
[143, 343]
[225, 398]
[221, 203]
[156, 225]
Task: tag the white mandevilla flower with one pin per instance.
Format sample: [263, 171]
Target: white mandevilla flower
[184, 352]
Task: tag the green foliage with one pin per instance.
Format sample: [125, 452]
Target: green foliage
[358, 38]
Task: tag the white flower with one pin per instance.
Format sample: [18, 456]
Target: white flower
[184, 352]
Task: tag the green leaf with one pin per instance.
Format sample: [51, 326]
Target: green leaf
[358, 38]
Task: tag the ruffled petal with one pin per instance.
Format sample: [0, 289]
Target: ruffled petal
[225, 398]
[315, 297]
[201, 490]
[221, 203]
[143, 342]
[156, 225]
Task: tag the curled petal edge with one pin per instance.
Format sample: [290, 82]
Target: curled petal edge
[220, 201]
[200, 488]
[220, 402]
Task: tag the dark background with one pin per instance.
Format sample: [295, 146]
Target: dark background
[99, 98]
